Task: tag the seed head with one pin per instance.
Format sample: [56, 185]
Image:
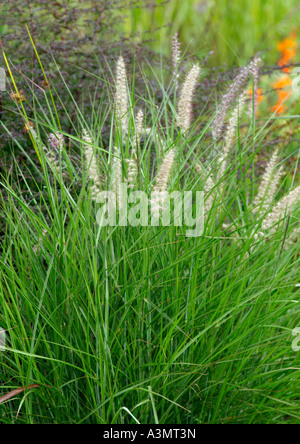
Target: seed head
[91, 165]
[185, 100]
[121, 94]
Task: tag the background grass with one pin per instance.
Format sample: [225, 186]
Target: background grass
[233, 30]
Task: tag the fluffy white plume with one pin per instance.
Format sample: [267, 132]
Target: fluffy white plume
[164, 173]
[184, 110]
[284, 206]
[121, 94]
[268, 185]
[229, 137]
[91, 165]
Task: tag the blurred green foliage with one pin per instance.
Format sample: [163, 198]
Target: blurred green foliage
[234, 30]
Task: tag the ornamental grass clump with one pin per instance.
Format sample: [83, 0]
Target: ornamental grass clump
[213, 176]
[126, 165]
[132, 323]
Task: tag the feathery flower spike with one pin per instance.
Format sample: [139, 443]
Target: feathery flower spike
[121, 94]
[139, 121]
[91, 165]
[268, 185]
[229, 137]
[164, 173]
[292, 239]
[254, 69]
[132, 172]
[51, 154]
[117, 175]
[229, 97]
[56, 143]
[176, 56]
[185, 100]
[132, 163]
[163, 177]
[284, 206]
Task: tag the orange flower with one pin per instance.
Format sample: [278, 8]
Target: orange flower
[259, 96]
[283, 82]
[288, 48]
[286, 59]
[279, 107]
[287, 44]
